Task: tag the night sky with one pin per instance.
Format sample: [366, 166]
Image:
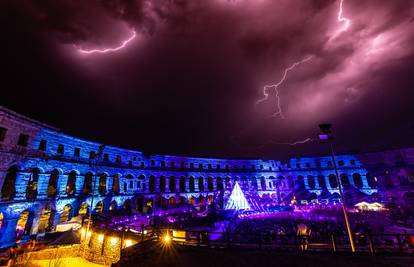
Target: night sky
[187, 77]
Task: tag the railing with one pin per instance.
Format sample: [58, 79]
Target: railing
[370, 243]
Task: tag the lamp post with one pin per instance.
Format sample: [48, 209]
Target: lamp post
[96, 157]
[326, 136]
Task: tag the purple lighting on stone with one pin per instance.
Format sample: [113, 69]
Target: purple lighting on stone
[323, 137]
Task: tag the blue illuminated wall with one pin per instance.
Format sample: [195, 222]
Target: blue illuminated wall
[141, 177]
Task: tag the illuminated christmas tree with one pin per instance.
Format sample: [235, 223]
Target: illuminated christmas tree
[237, 200]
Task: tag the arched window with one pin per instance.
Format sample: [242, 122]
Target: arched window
[83, 210]
[162, 184]
[31, 189]
[210, 184]
[172, 201]
[200, 184]
[53, 182]
[115, 185]
[357, 180]
[344, 179]
[23, 225]
[46, 220]
[332, 181]
[301, 182]
[66, 214]
[191, 184]
[8, 189]
[321, 180]
[263, 183]
[87, 185]
[182, 184]
[219, 184]
[291, 182]
[102, 184]
[99, 207]
[172, 184]
[191, 200]
[151, 184]
[311, 182]
[113, 206]
[71, 185]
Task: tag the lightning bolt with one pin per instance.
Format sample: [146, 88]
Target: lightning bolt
[108, 50]
[266, 88]
[341, 19]
[300, 142]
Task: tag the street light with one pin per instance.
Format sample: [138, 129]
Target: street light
[96, 156]
[326, 136]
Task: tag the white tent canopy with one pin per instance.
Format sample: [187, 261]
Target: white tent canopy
[237, 200]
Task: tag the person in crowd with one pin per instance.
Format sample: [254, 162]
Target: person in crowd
[303, 233]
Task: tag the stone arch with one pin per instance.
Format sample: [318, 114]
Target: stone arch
[103, 178]
[291, 182]
[66, 213]
[263, 182]
[83, 209]
[24, 224]
[210, 199]
[127, 205]
[202, 200]
[71, 183]
[115, 184]
[357, 180]
[201, 184]
[172, 201]
[151, 184]
[52, 187]
[219, 184]
[182, 184]
[32, 185]
[113, 206]
[301, 182]
[182, 200]
[191, 184]
[191, 200]
[139, 204]
[311, 182]
[87, 184]
[162, 184]
[321, 181]
[210, 184]
[172, 184]
[332, 181]
[141, 179]
[344, 179]
[100, 207]
[8, 190]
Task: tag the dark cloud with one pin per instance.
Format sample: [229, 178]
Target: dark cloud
[190, 80]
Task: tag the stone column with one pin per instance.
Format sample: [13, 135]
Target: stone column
[147, 185]
[2, 178]
[42, 186]
[328, 184]
[306, 182]
[157, 184]
[8, 230]
[109, 183]
[177, 184]
[364, 181]
[167, 184]
[316, 179]
[21, 185]
[62, 183]
[80, 181]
